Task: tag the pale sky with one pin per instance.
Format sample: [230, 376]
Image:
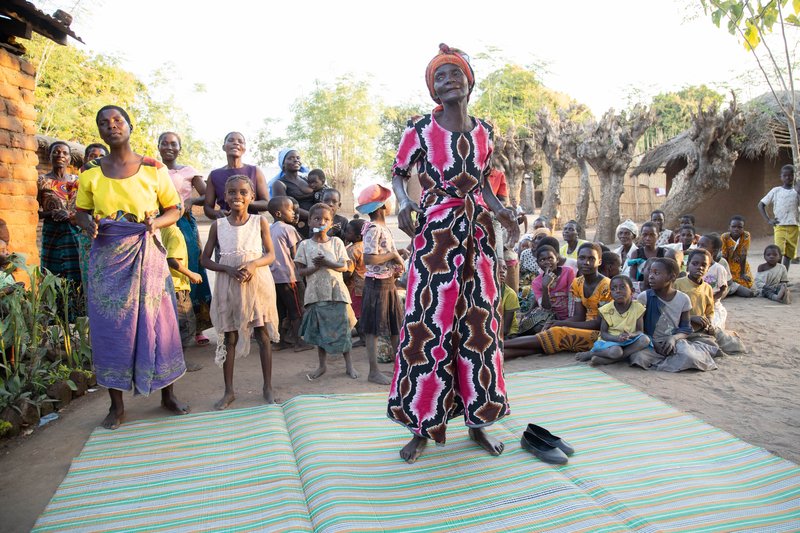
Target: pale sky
[255, 58]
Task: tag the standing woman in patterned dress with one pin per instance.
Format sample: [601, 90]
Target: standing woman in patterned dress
[56, 197]
[449, 360]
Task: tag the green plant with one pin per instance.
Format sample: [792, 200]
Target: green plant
[13, 391]
[4, 427]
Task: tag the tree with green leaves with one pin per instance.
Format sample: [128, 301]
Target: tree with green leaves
[266, 143]
[510, 98]
[393, 121]
[753, 23]
[674, 111]
[71, 85]
[337, 125]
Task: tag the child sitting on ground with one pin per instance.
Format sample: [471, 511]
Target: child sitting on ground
[316, 181]
[332, 198]
[685, 236]
[666, 322]
[772, 277]
[611, 265]
[621, 326]
[244, 293]
[354, 277]
[717, 276]
[182, 277]
[699, 292]
[509, 305]
[735, 246]
[381, 312]
[288, 286]
[328, 317]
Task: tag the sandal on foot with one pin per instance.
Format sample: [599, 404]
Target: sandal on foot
[201, 340]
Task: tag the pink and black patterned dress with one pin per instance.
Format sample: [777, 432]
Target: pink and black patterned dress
[449, 360]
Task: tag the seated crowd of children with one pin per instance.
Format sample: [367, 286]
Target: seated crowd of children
[656, 301]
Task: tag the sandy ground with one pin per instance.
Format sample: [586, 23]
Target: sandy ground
[753, 396]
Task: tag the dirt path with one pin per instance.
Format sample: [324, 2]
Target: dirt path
[754, 397]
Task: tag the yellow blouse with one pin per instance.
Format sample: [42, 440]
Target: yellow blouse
[140, 195]
[621, 323]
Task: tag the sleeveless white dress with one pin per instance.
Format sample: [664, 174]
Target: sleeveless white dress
[242, 306]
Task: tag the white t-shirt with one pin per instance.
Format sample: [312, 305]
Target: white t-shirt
[717, 276]
[785, 205]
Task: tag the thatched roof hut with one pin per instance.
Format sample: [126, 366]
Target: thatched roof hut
[763, 148]
[766, 133]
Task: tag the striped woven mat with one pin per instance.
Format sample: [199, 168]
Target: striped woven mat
[330, 463]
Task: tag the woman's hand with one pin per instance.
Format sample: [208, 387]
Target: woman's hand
[87, 223]
[405, 221]
[60, 215]
[319, 261]
[194, 278]
[508, 218]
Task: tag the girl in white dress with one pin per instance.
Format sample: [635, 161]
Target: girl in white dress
[244, 299]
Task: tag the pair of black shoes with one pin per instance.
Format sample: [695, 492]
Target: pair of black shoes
[546, 446]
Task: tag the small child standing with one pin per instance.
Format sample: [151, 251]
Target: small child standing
[621, 325]
[182, 278]
[285, 239]
[381, 312]
[328, 318]
[244, 293]
[354, 277]
[785, 202]
[717, 276]
[771, 277]
[666, 322]
[332, 198]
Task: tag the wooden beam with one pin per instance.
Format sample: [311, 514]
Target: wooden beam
[17, 28]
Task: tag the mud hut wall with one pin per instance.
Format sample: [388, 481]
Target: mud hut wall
[638, 199]
[18, 160]
[750, 181]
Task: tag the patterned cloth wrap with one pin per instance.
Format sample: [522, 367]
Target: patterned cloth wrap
[131, 303]
[449, 360]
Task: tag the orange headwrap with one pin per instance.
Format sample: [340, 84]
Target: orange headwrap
[452, 56]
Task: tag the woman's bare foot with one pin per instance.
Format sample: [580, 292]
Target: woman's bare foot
[268, 397]
[316, 373]
[113, 419]
[225, 401]
[174, 405]
[583, 356]
[411, 451]
[486, 441]
[379, 377]
[350, 371]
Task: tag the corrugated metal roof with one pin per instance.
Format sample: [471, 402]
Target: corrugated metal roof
[41, 22]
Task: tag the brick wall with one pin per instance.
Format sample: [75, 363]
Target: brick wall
[18, 160]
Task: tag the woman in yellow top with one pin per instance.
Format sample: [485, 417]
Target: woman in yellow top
[136, 344]
[571, 240]
[589, 292]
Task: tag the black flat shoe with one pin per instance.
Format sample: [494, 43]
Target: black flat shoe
[542, 450]
[551, 439]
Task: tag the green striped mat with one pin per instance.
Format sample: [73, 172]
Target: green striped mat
[330, 463]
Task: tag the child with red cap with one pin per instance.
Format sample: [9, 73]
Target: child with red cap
[381, 311]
